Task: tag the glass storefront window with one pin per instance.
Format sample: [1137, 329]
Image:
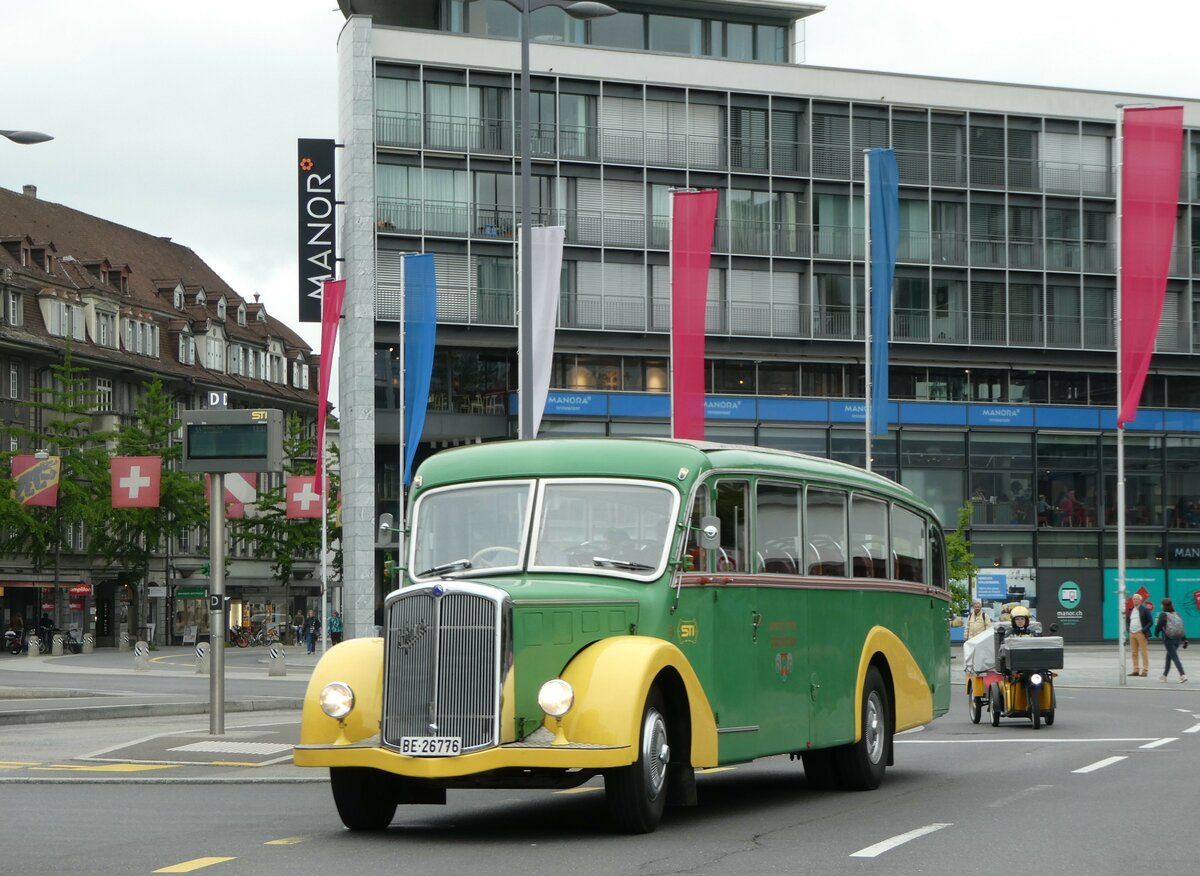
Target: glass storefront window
[822, 381]
[998, 450]
[811, 441]
[942, 488]
[1002, 549]
[849, 446]
[1028, 387]
[1143, 500]
[625, 30]
[1142, 452]
[733, 377]
[933, 450]
[670, 33]
[945, 385]
[730, 434]
[1072, 549]
[639, 430]
[1067, 451]
[778, 378]
[1183, 500]
[1142, 550]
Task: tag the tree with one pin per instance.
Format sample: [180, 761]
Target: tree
[62, 426]
[131, 537]
[275, 537]
[961, 562]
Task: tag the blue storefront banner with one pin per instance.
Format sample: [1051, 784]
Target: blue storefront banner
[640, 406]
[1181, 421]
[793, 410]
[1067, 418]
[933, 414]
[730, 407]
[1145, 421]
[991, 586]
[581, 404]
[1016, 416]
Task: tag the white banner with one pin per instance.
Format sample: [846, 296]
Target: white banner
[546, 266]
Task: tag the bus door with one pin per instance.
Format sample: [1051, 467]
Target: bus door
[740, 637]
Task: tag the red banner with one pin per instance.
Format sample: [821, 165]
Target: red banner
[1150, 160]
[693, 215]
[241, 489]
[136, 481]
[37, 480]
[331, 314]
[303, 498]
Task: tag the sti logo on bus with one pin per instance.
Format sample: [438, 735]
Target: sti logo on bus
[317, 223]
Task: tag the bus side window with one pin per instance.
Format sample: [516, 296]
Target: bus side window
[869, 537]
[777, 529]
[732, 509]
[937, 558]
[693, 554]
[908, 545]
[825, 532]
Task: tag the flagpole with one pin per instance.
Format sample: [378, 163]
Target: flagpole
[866, 292]
[325, 613]
[671, 279]
[1120, 426]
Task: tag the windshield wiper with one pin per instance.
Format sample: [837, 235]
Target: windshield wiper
[452, 566]
[621, 564]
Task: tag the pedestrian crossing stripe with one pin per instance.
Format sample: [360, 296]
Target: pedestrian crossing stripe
[105, 768]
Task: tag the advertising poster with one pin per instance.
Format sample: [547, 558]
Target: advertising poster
[1151, 583]
[1184, 590]
[991, 587]
[1073, 599]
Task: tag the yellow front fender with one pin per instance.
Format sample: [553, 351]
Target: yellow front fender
[912, 698]
[612, 678]
[358, 663]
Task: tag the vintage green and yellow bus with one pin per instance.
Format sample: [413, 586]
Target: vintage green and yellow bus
[636, 609]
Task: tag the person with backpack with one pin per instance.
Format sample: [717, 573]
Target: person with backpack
[1170, 627]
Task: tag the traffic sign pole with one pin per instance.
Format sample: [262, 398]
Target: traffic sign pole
[216, 605]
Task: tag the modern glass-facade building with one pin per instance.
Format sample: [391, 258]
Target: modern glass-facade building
[1003, 380]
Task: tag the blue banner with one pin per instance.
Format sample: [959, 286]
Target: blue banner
[885, 241]
[420, 329]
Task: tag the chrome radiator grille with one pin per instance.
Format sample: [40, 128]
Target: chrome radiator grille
[443, 664]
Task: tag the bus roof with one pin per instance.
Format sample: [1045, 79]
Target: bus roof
[649, 458]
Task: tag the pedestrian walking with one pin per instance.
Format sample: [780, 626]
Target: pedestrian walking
[977, 620]
[1170, 627]
[311, 627]
[335, 628]
[1138, 621]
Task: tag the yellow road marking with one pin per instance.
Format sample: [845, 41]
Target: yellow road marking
[233, 763]
[286, 841]
[194, 864]
[582, 790]
[711, 770]
[13, 764]
[107, 768]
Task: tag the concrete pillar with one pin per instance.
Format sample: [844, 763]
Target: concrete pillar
[89, 643]
[278, 662]
[33, 645]
[141, 656]
[202, 659]
[56, 645]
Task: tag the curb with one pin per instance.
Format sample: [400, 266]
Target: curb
[140, 710]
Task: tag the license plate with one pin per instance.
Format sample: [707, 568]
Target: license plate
[431, 746]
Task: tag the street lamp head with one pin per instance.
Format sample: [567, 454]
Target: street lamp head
[586, 9]
[26, 138]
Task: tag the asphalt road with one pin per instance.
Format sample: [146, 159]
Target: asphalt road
[1109, 789]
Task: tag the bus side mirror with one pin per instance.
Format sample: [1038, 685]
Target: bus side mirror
[710, 533]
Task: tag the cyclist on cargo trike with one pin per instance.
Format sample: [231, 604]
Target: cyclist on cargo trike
[1010, 671]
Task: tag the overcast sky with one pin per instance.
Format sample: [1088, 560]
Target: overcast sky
[181, 119]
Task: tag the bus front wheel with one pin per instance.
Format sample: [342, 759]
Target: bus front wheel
[363, 797]
[861, 765]
[636, 794]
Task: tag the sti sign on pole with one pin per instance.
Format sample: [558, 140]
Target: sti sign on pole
[218, 442]
[317, 219]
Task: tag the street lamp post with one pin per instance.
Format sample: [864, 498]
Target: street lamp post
[25, 138]
[583, 10]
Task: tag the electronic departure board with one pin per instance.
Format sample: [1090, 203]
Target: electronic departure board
[229, 441]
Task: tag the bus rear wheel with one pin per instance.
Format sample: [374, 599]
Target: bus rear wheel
[861, 765]
[363, 796]
[637, 794]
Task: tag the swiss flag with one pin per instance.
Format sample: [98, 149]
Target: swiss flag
[303, 500]
[136, 481]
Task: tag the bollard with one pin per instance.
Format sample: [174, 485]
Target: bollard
[89, 643]
[56, 645]
[278, 662]
[141, 656]
[33, 645]
[124, 641]
[202, 658]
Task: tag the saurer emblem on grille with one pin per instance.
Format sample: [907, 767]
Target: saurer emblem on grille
[409, 635]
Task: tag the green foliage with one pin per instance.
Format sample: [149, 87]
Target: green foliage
[131, 537]
[961, 562]
[63, 412]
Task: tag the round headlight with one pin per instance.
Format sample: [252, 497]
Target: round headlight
[556, 698]
[1036, 678]
[337, 700]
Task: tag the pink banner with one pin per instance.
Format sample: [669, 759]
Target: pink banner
[1151, 156]
[331, 315]
[693, 215]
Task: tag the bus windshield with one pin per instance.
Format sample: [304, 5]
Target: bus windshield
[620, 527]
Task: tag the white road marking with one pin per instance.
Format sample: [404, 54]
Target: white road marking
[1100, 764]
[1012, 798]
[1193, 729]
[1164, 741]
[1021, 740]
[879, 848]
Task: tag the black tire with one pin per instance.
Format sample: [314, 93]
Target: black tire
[994, 704]
[1049, 715]
[976, 710]
[363, 796]
[637, 794]
[820, 769]
[861, 765]
[1035, 706]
